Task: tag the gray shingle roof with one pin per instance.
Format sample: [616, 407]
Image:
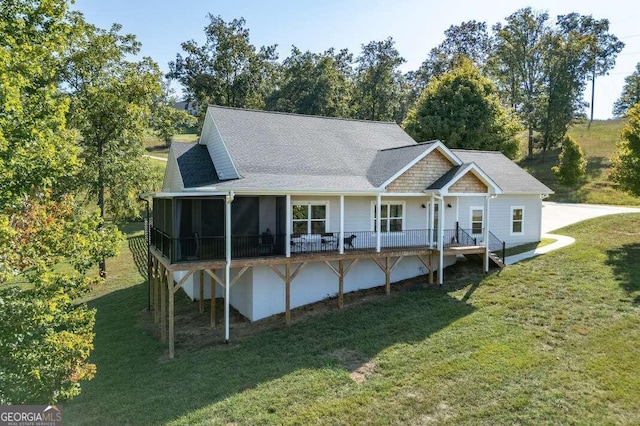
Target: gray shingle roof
[388, 161]
[447, 177]
[195, 164]
[299, 152]
[290, 145]
[504, 172]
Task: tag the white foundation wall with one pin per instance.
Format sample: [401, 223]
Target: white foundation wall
[240, 294]
[316, 281]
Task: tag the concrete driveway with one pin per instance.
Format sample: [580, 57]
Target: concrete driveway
[558, 215]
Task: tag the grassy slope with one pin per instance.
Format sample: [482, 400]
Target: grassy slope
[599, 144]
[555, 339]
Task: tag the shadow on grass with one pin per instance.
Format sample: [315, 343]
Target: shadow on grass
[138, 248]
[624, 261]
[136, 383]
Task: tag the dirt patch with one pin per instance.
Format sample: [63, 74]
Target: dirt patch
[359, 367]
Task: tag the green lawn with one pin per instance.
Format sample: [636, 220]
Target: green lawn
[599, 145]
[555, 339]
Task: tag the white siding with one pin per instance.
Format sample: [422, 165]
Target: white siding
[172, 179]
[500, 218]
[217, 149]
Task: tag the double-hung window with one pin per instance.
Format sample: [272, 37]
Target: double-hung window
[310, 217]
[517, 220]
[391, 216]
[477, 216]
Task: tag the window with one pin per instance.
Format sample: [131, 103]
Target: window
[391, 216]
[517, 220]
[309, 218]
[477, 214]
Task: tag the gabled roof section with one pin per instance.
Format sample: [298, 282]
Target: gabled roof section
[505, 173]
[194, 164]
[458, 172]
[218, 151]
[293, 146]
[407, 156]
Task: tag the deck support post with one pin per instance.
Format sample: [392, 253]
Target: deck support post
[213, 300]
[171, 314]
[201, 295]
[430, 266]
[441, 241]
[287, 293]
[157, 282]
[163, 306]
[340, 283]
[387, 276]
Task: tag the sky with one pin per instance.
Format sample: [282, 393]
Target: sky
[416, 26]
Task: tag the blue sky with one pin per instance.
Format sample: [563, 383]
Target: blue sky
[415, 25]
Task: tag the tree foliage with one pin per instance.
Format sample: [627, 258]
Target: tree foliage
[166, 120]
[630, 93]
[541, 68]
[572, 165]
[315, 84]
[45, 335]
[227, 69]
[462, 109]
[111, 106]
[469, 40]
[377, 83]
[626, 164]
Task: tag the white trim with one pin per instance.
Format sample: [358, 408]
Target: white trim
[281, 191]
[287, 225]
[435, 144]
[511, 221]
[471, 209]
[374, 220]
[341, 235]
[309, 220]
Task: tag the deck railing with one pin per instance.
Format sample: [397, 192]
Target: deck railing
[195, 247]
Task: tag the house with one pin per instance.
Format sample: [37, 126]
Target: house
[273, 211]
[191, 107]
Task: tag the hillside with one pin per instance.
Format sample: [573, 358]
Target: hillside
[599, 144]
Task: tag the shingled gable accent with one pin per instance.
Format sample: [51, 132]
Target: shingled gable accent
[422, 174]
[468, 184]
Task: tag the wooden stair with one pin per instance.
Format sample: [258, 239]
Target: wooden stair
[493, 257]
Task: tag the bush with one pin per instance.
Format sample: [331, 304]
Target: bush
[572, 165]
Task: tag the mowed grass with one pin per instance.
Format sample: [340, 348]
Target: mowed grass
[599, 145]
[555, 339]
[157, 148]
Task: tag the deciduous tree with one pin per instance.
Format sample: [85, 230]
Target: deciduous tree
[572, 165]
[630, 93]
[626, 164]
[462, 108]
[378, 81]
[227, 69]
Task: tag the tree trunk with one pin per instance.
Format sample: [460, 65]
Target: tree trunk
[102, 265]
[530, 142]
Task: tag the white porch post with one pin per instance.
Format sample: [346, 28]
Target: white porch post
[378, 211]
[287, 237]
[486, 234]
[441, 240]
[341, 236]
[227, 267]
[432, 210]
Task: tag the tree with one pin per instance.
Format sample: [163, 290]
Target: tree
[542, 69]
[111, 100]
[626, 164]
[315, 84]
[572, 165]
[227, 70]
[378, 81]
[45, 335]
[462, 108]
[518, 64]
[165, 119]
[469, 40]
[630, 93]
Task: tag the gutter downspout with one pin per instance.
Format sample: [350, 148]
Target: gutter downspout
[227, 268]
